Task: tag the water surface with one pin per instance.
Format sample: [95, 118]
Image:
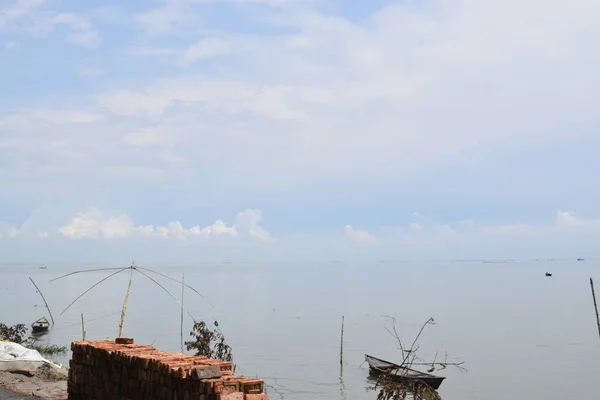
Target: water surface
[521, 335]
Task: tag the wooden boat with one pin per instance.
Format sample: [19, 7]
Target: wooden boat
[40, 325]
[399, 373]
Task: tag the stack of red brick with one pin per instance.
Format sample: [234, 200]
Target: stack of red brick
[107, 370]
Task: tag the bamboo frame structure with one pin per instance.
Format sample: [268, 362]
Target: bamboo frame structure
[181, 326]
[595, 305]
[43, 298]
[133, 268]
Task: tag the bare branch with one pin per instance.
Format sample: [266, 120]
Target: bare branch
[392, 385]
[395, 332]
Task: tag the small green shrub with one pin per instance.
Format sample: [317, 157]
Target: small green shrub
[209, 343]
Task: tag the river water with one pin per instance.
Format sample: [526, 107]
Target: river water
[521, 334]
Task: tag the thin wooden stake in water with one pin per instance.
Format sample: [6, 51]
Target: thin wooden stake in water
[82, 328]
[43, 298]
[595, 304]
[124, 310]
[342, 347]
[181, 326]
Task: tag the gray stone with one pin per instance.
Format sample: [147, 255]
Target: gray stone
[206, 372]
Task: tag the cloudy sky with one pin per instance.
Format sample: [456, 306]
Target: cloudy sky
[307, 129]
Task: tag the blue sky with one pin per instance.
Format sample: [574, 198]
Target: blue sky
[207, 129]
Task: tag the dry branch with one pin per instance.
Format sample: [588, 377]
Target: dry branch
[392, 388]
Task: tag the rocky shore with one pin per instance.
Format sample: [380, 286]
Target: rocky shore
[45, 382]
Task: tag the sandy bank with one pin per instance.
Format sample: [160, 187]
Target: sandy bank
[45, 382]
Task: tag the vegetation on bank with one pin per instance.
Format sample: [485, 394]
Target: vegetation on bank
[17, 334]
[209, 343]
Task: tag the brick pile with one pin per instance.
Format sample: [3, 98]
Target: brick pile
[107, 370]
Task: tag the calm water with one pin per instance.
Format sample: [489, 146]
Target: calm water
[522, 335]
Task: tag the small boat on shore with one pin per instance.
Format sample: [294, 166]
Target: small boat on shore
[41, 325]
[399, 373]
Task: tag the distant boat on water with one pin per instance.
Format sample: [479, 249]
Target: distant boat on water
[581, 259]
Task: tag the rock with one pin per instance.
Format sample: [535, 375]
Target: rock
[49, 373]
[25, 372]
[206, 372]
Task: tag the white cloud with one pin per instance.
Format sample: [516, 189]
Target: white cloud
[568, 220]
[94, 224]
[173, 15]
[343, 92]
[82, 32]
[64, 116]
[92, 72]
[310, 99]
[31, 17]
[248, 222]
[415, 227]
[95, 230]
[220, 227]
[227, 97]
[147, 136]
[163, 19]
[19, 9]
[331, 98]
[7, 231]
[358, 236]
[151, 51]
[207, 48]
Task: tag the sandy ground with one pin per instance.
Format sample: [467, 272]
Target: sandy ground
[46, 383]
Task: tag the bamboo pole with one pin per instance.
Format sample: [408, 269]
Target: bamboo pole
[82, 328]
[342, 347]
[595, 304]
[124, 310]
[181, 325]
[43, 298]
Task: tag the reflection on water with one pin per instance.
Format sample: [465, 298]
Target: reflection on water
[508, 322]
[342, 385]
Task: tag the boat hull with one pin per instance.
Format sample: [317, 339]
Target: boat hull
[39, 329]
[433, 382]
[398, 373]
[41, 325]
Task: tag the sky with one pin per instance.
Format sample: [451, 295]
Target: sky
[232, 130]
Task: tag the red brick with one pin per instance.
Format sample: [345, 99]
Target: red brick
[252, 386]
[261, 396]
[233, 396]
